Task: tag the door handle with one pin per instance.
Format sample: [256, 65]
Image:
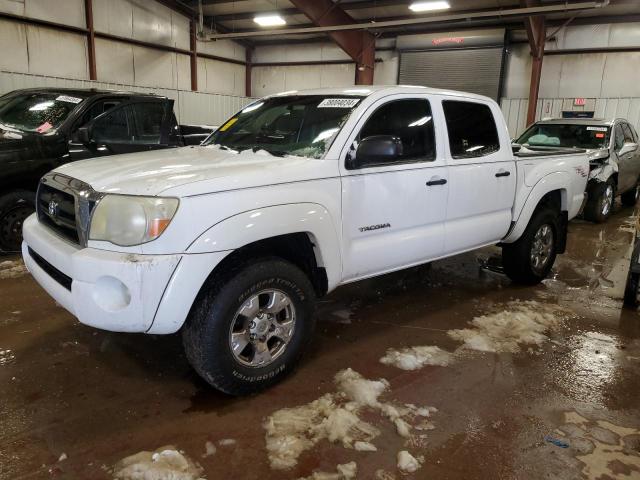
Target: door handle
[503, 174]
[440, 181]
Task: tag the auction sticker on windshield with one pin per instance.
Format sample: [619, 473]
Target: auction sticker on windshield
[338, 103]
[226, 126]
[597, 129]
[66, 98]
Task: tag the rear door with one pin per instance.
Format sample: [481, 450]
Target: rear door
[393, 213]
[482, 175]
[152, 123]
[630, 160]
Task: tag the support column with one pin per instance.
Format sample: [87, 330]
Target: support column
[365, 66]
[536, 34]
[193, 48]
[248, 57]
[91, 39]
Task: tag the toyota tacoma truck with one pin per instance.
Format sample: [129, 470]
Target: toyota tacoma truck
[614, 158]
[42, 128]
[232, 241]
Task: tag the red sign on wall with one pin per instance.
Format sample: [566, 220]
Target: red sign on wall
[579, 102]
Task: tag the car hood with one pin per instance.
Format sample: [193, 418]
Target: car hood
[194, 170]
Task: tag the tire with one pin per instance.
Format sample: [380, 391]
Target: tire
[15, 207]
[600, 201]
[630, 197]
[517, 257]
[631, 290]
[216, 318]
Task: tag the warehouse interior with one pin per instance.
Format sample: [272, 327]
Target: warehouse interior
[446, 369]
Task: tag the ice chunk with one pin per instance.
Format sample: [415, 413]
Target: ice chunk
[166, 463]
[407, 463]
[413, 358]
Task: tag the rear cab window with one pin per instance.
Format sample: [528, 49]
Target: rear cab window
[472, 129]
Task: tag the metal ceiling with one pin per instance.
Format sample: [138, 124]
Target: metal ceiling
[236, 16]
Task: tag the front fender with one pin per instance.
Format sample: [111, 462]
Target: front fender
[271, 221]
[527, 203]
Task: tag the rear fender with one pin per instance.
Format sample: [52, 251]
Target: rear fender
[557, 181]
[268, 222]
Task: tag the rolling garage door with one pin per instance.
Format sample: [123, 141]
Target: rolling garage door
[475, 70]
[470, 61]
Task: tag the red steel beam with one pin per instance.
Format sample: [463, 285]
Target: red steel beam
[193, 57]
[359, 45]
[536, 35]
[91, 39]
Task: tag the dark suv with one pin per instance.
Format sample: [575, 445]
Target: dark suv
[41, 129]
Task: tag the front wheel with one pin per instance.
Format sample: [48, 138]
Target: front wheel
[529, 260]
[15, 207]
[246, 333]
[600, 202]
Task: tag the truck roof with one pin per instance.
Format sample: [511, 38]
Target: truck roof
[84, 92]
[367, 90]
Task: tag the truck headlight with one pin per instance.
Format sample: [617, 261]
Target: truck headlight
[128, 220]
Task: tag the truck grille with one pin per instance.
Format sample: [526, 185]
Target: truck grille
[57, 210]
[64, 205]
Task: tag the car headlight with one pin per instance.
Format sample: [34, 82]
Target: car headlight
[128, 220]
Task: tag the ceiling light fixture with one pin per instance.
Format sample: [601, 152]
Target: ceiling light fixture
[269, 20]
[429, 6]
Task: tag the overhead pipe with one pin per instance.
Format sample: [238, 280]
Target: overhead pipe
[511, 12]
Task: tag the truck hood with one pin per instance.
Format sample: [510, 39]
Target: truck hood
[194, 170]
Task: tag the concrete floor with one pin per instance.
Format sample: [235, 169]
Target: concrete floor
[98, 397]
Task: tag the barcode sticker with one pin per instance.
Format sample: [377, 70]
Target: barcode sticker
[338, 103]
[66, 98]
[597, 129]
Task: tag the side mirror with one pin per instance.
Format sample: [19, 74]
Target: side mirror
[377, 149]
[628, 147]
[515, 147]
[84, 135]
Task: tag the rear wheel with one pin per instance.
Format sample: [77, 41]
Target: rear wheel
[600, 201]
[246, 333]
[530, 259]
[629, 198]
[15, 207]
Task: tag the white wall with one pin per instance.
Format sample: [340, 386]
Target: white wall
[607, 80]
[273, 79]
[42, 52]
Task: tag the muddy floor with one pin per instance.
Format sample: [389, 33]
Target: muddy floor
[565, 404]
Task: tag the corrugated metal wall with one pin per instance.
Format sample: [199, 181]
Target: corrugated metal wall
[191, 107]
[515, 110]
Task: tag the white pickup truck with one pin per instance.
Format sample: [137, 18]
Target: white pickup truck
[299, 193]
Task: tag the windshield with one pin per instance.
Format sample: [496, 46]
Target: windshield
[566, 135]
[302, 125]
[36, 112]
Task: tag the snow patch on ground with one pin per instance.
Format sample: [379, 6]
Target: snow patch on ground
[346, 471]
[166, 463]
[407, 463]
[504, 331]
[335, 417]
[12, 269]
[414, 358]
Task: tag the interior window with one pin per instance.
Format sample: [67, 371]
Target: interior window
[96, 109]
[411, 121]
[472, 129]
[619, 138]
[113, 127]
[148, 117]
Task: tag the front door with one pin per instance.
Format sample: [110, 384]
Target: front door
[393, 213]
[482, 176]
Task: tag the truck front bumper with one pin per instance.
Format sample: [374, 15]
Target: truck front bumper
[115, 291]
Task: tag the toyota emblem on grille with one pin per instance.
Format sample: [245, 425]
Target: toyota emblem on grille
[53, 208]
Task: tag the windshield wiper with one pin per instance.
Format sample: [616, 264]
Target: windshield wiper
[275, 153]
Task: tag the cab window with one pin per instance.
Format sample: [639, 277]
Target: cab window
[472, 129]
[619, 138]
[411, 121]
[114, 127]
